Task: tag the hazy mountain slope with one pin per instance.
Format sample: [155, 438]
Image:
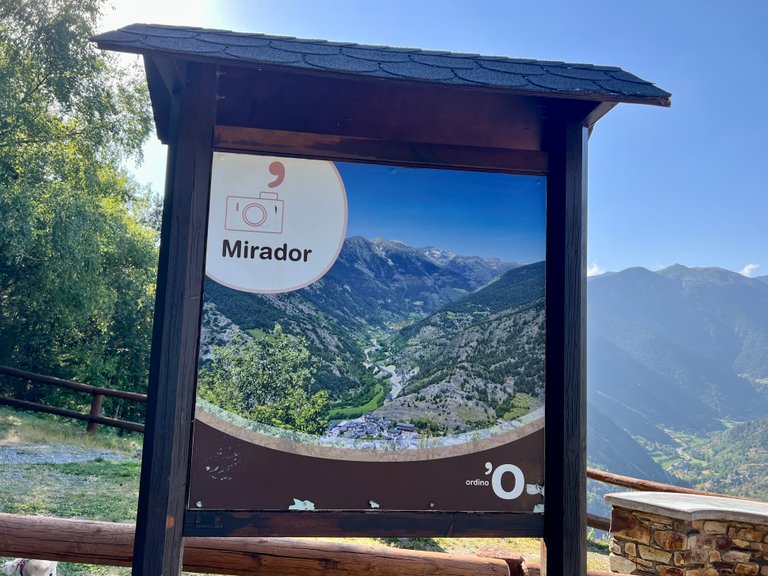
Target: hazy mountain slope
[734, 304]
[610, 448]
[682, 349]
[641, 398]
[638, 398]
[672, 345]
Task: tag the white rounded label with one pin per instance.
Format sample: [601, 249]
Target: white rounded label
[274, 224]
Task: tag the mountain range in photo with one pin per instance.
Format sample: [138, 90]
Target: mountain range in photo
[445, 343]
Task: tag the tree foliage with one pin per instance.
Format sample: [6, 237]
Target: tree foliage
[58, 93]
[268, 380]
[77, 263]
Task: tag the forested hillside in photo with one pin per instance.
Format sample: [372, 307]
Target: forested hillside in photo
[421, 336]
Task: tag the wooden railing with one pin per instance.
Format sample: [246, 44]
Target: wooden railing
[89, 542]
[602, 523]
[94, 418]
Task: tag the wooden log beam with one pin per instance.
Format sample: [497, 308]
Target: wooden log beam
[260, 140]
[110, 544]
[648, 485]
[598, 522]
[89, 542]
[33, 406]
[61, 383]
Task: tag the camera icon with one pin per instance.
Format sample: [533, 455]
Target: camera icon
[263, 214]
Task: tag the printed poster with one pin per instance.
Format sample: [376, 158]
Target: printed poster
[373, 338]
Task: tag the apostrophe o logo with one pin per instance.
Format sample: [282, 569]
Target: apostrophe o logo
[498, 476]
[275, 224]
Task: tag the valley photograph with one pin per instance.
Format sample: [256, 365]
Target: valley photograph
[427, 331]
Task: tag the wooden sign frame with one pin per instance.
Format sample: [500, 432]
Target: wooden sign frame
[280, 467]
[214, 89]
[196, 130]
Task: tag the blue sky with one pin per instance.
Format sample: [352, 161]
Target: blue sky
[470, 213]
[681, 185]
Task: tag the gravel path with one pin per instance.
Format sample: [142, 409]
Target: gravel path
[54, 454]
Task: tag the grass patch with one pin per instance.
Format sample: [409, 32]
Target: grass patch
[521, 405]
[105, 490]
[357, 411]
[257, 333]
[17, 427]
[98, 489]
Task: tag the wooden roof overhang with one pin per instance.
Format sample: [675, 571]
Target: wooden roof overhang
[396, 105]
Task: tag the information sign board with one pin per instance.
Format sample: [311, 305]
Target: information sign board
[373, 339]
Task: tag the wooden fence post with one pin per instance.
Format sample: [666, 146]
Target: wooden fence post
[97, 403]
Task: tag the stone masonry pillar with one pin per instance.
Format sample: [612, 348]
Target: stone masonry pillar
[665, 534]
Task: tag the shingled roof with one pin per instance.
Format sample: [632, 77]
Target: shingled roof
[527, 77]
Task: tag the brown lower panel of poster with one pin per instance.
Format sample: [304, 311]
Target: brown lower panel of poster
[229, 472]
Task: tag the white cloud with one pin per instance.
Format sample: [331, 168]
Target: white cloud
[749, 270]
[594, 269]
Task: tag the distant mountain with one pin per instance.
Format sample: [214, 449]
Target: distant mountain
[611, 448]
[737, 311]
[374, 283]
[479, 271]
[377, 282]
[680, 349]
[640, 399]
[479, 359]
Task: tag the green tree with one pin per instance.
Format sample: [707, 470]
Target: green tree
[77, 264]
[268, 380]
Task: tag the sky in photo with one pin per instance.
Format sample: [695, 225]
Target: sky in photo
[681, 185]
[470, 213]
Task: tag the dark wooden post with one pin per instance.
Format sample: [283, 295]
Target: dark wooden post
[171, 393]
[565, 520]
[97, 403]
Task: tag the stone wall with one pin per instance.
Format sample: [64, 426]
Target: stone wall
[646, 543]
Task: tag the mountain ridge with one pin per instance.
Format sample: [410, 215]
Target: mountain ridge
[374, 284]
[481, 356]
[675, 355]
